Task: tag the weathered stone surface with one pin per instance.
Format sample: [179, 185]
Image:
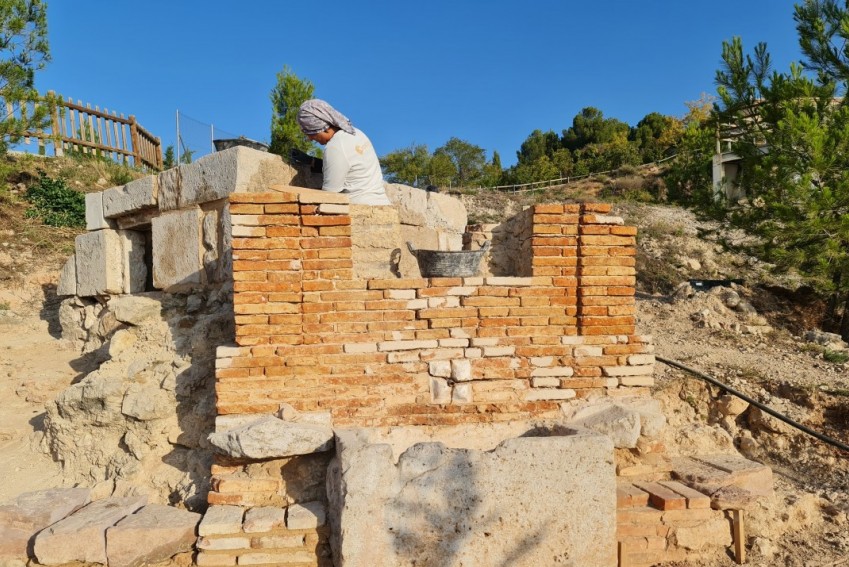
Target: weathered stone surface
[264, 519]
[731, 406]
[135, 309]
[621, 419]
[36, 510]
[221, 520]
[269, 438]
[94, 219]
[177, 250]
[130, 198]
[147, 402]
[81, 536]
[13, 544]
[216, 175]
[305, 516]
[68, 278]
[714, 532]
[110, 262]
[515, 505]
[154, 533]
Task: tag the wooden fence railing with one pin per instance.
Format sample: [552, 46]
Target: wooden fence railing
[78, 128]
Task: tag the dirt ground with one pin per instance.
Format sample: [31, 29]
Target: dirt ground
[757, 350]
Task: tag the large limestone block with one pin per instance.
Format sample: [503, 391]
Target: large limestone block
[215, 176]
[422, 208]
[178, 249]
[154, 533]
[81, 536]
[94, 219]
[376, 241]
[533, 500]
[272, 438]
[133, 197]
[110, 262]
[68, 278]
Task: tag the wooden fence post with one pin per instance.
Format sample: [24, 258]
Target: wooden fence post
[134, 140]
[58, 143]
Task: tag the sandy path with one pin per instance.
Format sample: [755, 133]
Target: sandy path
[34, 367]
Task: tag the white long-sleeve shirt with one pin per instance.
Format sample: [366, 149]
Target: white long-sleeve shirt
[351, 166]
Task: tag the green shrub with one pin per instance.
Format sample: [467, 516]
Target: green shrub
[56, 203]
[835, 356]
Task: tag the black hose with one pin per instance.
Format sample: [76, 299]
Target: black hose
[757, 404]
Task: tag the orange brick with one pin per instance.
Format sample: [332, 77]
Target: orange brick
[603, 208]
[325, 220]
[287, 208]
[334, 231]
[607, 261]
[326, 242]
[548, 208]
[259, 198]
[246, 209]
[543, 219]
[598, 229]
[544, 241]
[331, 264]
[612, 330]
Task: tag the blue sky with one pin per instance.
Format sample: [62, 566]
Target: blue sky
[404, 72]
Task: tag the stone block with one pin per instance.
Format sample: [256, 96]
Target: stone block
[215, 176]
[31, 512]
[133, 197]
[441, 505]
[264, 519]
[36, 510]
[221, 520]
[153, 534]
[81, 536]
[94, 219]
[136, 309]
[177, 250]
[269, 438]
[306, 516]
[110, 262]
[68, 278]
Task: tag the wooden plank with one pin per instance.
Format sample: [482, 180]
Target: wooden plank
[117, 139]
[108, 138]
[91, 131]
[124, 138]
[100, 127]
[629, 496]
[739, 537]
[695, 499]
[661, 497]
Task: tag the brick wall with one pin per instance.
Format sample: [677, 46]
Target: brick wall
[434, 351]
[313, 332]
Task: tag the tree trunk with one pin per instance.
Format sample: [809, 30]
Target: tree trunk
[844, 322]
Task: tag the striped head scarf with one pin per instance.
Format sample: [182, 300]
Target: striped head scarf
[315, 115]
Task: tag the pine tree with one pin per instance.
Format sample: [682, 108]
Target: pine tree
[286, 98]
[793, 139]
[23, 51]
